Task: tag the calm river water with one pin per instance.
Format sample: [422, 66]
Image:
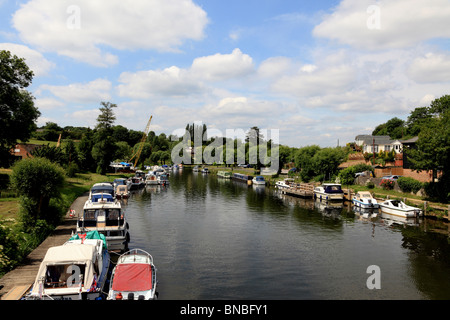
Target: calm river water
[219, 239]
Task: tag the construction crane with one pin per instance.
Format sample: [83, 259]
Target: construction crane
[137, 154]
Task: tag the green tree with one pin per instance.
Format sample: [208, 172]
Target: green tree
[37, 180]
[84, 152]
[394, 128]
[106, 118]
[303, 161]
[327, 160]
[52, 153]
[17, 111]
[432, 150]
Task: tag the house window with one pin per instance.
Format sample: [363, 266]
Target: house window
[387, 148]
[375, 148]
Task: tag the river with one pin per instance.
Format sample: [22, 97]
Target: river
[216, 239]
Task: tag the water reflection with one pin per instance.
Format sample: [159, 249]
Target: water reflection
[214, 238]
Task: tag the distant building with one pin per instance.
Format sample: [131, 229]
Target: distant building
[371, 144]
[24, 150]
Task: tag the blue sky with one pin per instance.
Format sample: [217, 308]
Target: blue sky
[318, 71]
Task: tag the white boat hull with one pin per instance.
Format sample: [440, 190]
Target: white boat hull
[365, 205]
[401, 210]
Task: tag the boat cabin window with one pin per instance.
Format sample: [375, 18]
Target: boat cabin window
[89, 214]
[114, 214]
[63, 276]
[333, 189]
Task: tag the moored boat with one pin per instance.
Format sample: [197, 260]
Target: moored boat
[134, 277]
[284, 184]
[104, 214]
[259, 180]
[329, 191]
[151, 178]
[242, 178]
[163, 179]
[224, 174]
[400, 209]
[364, 199]
[76, 270]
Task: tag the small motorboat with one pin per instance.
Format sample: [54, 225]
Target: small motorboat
[151, 178]
[400, 209]
[259, 180]
[134, 277]
[285, 184]
[329, 191]
[364, 199]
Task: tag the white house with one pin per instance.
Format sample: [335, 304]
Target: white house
[371, 144]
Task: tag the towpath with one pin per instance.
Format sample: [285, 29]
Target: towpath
[17, 281]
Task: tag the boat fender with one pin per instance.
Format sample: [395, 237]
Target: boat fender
[119, 296]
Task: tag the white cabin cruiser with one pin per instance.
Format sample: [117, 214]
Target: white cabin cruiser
[105, 215]
[364, 199]
[329, 191]
[76, 270]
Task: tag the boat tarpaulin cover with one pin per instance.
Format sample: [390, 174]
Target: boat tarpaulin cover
[132, 277]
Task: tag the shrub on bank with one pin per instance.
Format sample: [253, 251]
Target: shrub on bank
[408, 184]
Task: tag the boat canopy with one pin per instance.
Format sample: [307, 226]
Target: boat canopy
[132, 277]
[66, 255]
[333, 188]
[103, 188]
[96, 197]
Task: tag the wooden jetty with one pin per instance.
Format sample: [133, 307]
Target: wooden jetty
[16, 283]
[305, 190]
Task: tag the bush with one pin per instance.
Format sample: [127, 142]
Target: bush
[347, 175]
[370, 184]
[37, 180]
[408, 184]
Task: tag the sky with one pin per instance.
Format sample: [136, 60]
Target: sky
[315, 72]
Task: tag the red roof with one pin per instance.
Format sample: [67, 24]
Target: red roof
[132, 277]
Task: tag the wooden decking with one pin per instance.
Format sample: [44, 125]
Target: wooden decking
[16, 282]
[305, 190]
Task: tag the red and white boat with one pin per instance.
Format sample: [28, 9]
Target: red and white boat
[134, 277]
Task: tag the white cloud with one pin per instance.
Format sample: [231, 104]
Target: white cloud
[93, 91]
[220, 67]
[48, 104]
[177, 82]
[317, 81]
[171, 81]
[386, 24]
[430, 68]
[35, 60]
[84, 30]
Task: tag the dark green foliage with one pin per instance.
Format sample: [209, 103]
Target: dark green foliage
[37, 180]
[408, 184]
[17, 111]
[347, 175]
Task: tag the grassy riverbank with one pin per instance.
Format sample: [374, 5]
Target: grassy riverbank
[16, 244]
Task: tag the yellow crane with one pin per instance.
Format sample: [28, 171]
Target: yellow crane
[137, 154]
